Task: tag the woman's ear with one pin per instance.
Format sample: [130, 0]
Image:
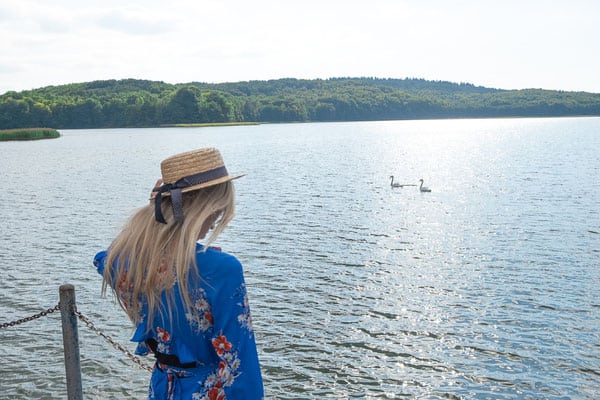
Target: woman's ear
[157, 185]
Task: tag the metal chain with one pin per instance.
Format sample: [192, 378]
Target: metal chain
[90, 325]
[110, 340]
[27, 319]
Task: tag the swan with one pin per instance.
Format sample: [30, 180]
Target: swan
[394, 184]
[423, 188]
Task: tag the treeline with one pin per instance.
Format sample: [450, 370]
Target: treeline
[142, 103]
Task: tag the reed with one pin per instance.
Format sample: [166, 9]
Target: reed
[28, 134]
[207, 124]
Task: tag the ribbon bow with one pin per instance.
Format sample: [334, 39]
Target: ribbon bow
[176, 201]
[176, 194]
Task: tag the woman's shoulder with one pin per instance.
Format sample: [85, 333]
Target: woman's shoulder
[217, 258]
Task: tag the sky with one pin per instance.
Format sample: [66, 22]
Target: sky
[506, 44]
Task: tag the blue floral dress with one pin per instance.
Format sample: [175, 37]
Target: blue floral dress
[214, 347]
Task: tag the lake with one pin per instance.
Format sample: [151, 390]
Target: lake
[487, 287]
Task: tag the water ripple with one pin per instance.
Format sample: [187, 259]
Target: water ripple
[486, 287]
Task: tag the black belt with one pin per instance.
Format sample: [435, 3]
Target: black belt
[168, 359]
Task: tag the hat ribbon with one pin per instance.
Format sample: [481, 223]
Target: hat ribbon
[176, 195]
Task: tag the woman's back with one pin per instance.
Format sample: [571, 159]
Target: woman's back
[188, 304]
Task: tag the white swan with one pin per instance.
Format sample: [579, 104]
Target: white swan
[423, 188]
[394, 184]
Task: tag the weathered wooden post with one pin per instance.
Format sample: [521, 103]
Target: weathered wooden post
[70, 341]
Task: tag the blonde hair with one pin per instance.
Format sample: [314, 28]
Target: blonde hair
[147, 257]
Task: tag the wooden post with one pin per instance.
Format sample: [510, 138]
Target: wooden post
[70, 342]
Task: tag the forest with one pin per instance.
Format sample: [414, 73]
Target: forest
[143, 103]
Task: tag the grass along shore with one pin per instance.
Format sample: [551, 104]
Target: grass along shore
[194, 125]
[28, 134]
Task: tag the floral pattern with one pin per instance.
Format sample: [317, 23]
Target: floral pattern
[244, 318]
[163, 339]
[215, 384]
[200, 317]
[221, 345]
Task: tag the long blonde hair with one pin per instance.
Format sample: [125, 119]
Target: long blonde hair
[147, 257]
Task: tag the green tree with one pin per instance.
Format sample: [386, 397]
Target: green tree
[132, 103]
[183, 107]
[216, 108]
[14, 114]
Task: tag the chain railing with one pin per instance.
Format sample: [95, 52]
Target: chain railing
[31, 318]
[135, 359]
[69, 315]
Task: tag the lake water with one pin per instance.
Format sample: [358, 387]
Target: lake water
[486, 287]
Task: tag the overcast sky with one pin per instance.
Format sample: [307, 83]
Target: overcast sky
[508, 44]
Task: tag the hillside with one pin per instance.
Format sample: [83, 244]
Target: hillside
[142, 103]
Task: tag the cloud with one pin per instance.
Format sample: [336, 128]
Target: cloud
[505, 44]
[9, 69]
[134, 23]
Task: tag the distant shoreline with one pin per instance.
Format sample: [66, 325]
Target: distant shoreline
[207, 124]
[28, 134]
[132, 103]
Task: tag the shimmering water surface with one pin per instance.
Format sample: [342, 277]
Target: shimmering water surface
[487, 287]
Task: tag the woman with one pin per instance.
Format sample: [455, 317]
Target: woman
[187, 301]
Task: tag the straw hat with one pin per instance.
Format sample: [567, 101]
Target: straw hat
[199, 164]
[189, 171]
